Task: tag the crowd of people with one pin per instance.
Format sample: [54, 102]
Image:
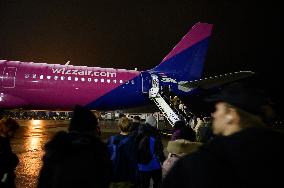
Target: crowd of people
[236, 148]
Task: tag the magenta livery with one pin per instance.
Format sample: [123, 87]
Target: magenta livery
[51, 86]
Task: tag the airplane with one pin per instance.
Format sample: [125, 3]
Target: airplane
[29, 85]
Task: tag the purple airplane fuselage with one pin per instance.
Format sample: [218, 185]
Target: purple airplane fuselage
[43, 86]
[52, 86]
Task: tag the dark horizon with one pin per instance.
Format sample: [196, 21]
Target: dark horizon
[127, 34]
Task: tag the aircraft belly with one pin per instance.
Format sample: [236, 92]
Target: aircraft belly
[10, 101]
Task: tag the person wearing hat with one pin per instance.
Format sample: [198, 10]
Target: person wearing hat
[148, 135]
[8, 159]
[77, 158]
[244, 152]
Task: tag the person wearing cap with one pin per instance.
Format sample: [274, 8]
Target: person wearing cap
[8, 159]
[77, 158]
[153, 169]
[244, 152]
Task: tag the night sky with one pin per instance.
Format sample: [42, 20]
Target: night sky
[129, 34]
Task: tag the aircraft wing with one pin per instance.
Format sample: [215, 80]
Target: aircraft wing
[212, 82]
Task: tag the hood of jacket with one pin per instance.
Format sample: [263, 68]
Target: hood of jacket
[182, 146]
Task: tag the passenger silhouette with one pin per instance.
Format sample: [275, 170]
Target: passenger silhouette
[122, 150]
[135, 124]
[8, 160]
[153, 169]
[182, 143]
[204, 132]
[182, 131]
[77, 158]
[245, 153]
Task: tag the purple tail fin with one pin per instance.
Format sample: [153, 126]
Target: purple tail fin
[186, 60]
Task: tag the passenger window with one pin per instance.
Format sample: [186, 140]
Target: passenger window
[76, 79]
[82, 79]
[120, 81]
[41, 77]
[102, 80]
[114, 81]
[62, 77]
[48, 77]
[96, 80]
[132, 82]
[89, 79]
[108, 80]
[55, 77]
[27, 76]
[34, 76]
[69, 78]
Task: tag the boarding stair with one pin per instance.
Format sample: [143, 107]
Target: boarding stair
[169, 111]
[163, 106]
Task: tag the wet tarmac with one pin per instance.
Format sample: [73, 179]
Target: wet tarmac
[29, 142]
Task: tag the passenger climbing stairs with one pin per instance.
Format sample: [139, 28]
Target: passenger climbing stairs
[170, 113]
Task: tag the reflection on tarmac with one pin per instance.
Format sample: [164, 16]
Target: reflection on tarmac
[28, 145]
[29, 142]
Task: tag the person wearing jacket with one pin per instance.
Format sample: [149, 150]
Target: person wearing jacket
[153, 169]
[122, 151]
[8, 159]
[77, 158]
[182, 143]
[177, 149]
[244, 152]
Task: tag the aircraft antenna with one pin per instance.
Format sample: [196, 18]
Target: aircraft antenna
[67, 63]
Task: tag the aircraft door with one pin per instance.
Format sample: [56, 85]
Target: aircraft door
[155, 81]
[9, 77]
[146, 82]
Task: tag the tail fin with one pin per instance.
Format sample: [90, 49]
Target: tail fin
[185, 61]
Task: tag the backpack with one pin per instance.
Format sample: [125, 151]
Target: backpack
[144, 154]
[114, 150]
